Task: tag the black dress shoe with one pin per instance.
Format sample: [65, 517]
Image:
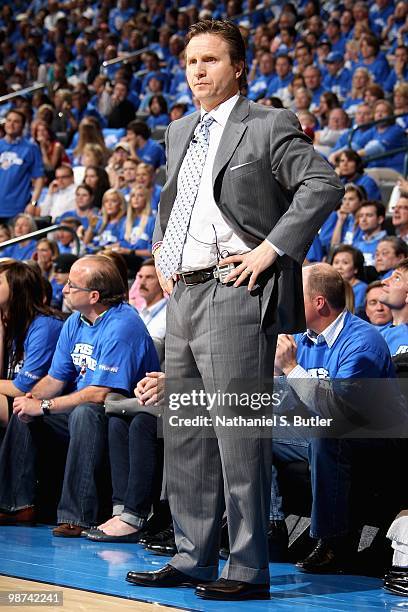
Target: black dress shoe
[167, 548]
[328, 557]
[97, 535]
[159, 537]
[278, 541]
[225, 590]
[166, 577]
[397, 582]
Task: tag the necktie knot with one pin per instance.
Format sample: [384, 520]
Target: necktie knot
[202, 129]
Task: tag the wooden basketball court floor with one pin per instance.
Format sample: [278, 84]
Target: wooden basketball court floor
[92, 578]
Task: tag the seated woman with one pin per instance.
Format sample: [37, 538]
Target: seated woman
[97, 178]
[349, 262]
[5, 234]
[52, 152]
[109, 228]
[158, 112]
[145, 175]
[346, 228]
[136, 458]
[384, 137]
[23, 224]
[45, 254]
[29, 331]
[350, 169]
[135, 241]
[137, 232]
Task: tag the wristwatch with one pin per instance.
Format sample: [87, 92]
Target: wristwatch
[45, 406]
[33, 203]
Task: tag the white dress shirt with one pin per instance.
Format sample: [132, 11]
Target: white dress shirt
[58, 203]
[155, 318]
[200, 250]
[208, 227]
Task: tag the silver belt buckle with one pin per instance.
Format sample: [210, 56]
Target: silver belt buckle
[221, 272]
[185, 275]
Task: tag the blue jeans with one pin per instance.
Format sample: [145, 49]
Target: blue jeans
[83, 433]
[136, 458]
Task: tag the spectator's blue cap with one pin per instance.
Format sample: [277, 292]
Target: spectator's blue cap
[324, 41]
[334, 56]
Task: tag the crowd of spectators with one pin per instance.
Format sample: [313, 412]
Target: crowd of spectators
[87, 151]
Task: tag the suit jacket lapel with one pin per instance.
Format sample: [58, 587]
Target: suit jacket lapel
[231, 136]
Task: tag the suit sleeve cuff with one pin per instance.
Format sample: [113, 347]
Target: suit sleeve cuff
[279, 251]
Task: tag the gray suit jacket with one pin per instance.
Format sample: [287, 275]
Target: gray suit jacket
[268, 182]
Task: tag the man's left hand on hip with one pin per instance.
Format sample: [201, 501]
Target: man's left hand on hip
[251, 264]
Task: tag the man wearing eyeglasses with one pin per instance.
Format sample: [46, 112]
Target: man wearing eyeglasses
[60, 197]
[103, 346]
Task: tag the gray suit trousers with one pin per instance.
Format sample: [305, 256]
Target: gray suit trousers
[214, 334]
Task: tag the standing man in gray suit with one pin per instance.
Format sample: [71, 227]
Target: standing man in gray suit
[245, 188]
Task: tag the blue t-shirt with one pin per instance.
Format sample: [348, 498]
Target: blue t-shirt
[115, 352]
[39, 346]
[20, 162]
[340, 83]
[358, 352]
[73, 213]
[19, 251]
[152, 153]
[396, 336]
[110, 234]
[359, 291]
[315, 253]
[139, 239]
[369, 247]
[57, 297]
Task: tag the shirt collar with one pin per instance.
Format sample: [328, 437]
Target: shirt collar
[330, 334]
[97, 320]
[374, 237]
[155, 308]
[14, 141]
[222, 112]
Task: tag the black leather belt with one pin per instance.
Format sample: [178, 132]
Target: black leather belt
[197, 276]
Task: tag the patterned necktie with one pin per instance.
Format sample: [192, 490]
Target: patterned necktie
[171, 250]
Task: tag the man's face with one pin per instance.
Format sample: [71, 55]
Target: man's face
[282, 67]
[64, 178]
[14, 125]
[400, 213]
[337, 119]
[266, 64]
[368, 219]
[364, 114]
[210, 74]
[129, 171]
[385, 257]
[395, 289]
[75, 293]
[149, 285]
[312, 78]
[377, 312]
[303, 57]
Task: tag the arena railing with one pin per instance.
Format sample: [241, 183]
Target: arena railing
[43, 232]
[123, 58]
[22, 92]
